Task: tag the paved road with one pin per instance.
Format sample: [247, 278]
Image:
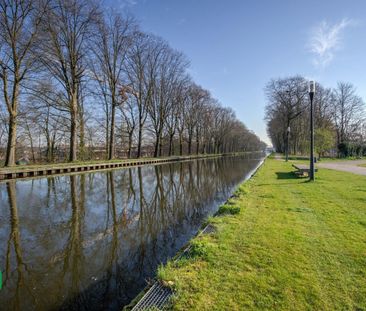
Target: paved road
[345, 166]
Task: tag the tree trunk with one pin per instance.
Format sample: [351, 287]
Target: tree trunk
[160, 147]
[107, 138]
[50, 151]
[197, 145]
[171, 145]
[32, 148]
[73, 130]
[204, 148]
[12, 139]
[129, 145]
[139, 140]
[82, 138]
[190, 144]
[111, 135]
[180, 144]
[53, 143]
[157, 143]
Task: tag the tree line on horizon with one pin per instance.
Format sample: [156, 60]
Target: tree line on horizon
[339, 115]
[80, 82]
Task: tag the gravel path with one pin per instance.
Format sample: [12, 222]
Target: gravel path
[345, 166]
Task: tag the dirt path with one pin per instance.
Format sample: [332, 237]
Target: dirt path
[350, 166]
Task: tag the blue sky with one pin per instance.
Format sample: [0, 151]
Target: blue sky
[235, 47]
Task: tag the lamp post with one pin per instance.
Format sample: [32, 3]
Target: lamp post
[311, 94]
[287, 142]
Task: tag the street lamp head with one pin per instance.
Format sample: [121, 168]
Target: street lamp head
[312, 87]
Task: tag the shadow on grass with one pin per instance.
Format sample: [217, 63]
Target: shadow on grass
[286, 175]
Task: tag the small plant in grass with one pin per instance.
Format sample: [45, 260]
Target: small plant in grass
[199, 249]
[228, 209]
[242, 190]
[164, 277]
[161, 273]
[231, 201]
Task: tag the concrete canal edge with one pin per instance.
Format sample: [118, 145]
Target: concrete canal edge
[157, 295]
[57, 169]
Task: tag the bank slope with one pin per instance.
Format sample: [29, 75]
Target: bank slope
[294, 245]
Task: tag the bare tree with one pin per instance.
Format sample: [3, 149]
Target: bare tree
[141, 80]
[196, 98]
[166, 67]
[129, 120]
[287, 99]
[172, 120]
[348, 110]
[41, 104]
[112, 41]
[19, 26]
[66, 31]
[181, 101]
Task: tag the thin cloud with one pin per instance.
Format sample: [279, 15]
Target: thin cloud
[326, 39]
[182, 21]
[127, 3]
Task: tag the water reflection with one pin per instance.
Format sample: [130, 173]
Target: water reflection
[90, 241]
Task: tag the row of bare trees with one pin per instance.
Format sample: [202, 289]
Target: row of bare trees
[340, 119]
[78, 82]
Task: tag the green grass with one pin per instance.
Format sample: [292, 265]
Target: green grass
[323, 159]
[293, 245]
[362, 165]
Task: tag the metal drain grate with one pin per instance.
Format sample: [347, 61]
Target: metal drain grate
[156, 298]
[208, 229]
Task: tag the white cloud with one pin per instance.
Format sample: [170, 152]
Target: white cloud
[326, 39]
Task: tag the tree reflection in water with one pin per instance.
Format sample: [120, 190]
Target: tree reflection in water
[90, 241]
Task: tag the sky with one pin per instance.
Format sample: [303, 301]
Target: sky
[235, 47]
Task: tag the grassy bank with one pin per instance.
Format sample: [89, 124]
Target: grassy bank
[293, 245]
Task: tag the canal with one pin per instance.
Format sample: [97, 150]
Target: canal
[91, 241]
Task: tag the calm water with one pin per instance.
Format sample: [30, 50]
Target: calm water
[90, 241]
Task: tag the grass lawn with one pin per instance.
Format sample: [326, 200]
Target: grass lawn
[322, 159]
[294, 245]
[362, 165]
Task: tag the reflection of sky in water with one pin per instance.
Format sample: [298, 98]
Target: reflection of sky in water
[91, 240]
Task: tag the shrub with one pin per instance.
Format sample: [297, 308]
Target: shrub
[228, 209]
[198, 249]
